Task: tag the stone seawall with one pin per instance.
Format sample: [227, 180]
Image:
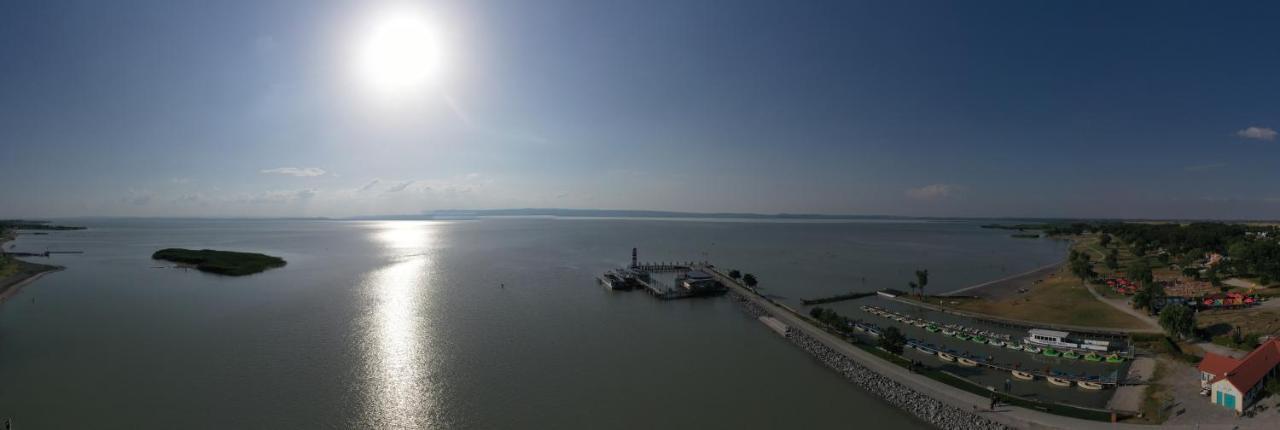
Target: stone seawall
[923, 407]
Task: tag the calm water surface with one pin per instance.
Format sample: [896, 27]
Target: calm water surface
[405, 324]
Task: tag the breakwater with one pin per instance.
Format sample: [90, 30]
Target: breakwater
[921, 406]
[836, 298]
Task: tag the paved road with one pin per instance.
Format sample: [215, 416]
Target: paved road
[1008, 415]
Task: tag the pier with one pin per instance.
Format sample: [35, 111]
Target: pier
[691, 280]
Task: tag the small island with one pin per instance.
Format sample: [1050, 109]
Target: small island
[220, 262]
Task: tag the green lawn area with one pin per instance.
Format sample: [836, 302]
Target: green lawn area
[1061, 299]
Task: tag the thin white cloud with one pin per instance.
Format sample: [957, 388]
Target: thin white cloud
[282, 196]
[935, 191]
[1257, 133]
[1203, 167]
[399, 187]
[294, 171]
[138, 197]
[370, 185]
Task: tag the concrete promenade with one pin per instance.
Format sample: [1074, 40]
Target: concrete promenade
[1008, 415]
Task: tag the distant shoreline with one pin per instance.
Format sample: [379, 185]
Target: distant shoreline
[27, 272]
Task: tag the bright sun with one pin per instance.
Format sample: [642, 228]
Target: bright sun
[400, 53]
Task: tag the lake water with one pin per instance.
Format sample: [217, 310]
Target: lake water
[406, 324]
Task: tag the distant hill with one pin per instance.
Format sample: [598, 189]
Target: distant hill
[607, 213]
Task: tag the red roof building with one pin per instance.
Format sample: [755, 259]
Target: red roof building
[1236, 383]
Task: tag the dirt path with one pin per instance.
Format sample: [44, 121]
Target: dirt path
[1122, 306]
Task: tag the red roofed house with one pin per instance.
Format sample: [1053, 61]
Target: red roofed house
[1236, 383]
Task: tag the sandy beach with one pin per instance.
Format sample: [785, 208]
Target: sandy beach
[27, 272]
[1008, 286]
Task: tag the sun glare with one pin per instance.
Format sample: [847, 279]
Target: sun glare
[400, 53]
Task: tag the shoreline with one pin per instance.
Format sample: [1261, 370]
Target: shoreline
[26, 274]
[921, 406]
[935, 402]
[1012, 280]
[11, 287]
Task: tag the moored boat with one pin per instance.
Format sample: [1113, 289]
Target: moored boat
[1013, 345]
[921, 323]
[1058, 381]
[962, 336]
[932, 328]
[1115, 358]
[1092, 357]
[1050, 352]
[1031, 348]
[979, 339]
[996, 342]
[1023, 375]
[964, 361]
[948, 332]
[1070, 355]
[946, 357]
[1090, 385]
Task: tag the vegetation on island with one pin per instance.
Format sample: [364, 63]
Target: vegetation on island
[1018, 227]
[220, 262]
[22, 224]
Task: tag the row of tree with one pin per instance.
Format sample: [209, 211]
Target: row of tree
[748, 279]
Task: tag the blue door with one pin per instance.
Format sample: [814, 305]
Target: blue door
[1218, 397]
[1229, 401]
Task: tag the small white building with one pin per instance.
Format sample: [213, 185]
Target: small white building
[1235, 384]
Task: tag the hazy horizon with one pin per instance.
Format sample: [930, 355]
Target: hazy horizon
[1140, 110]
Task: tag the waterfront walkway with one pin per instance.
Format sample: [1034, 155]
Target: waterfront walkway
[1005, 414]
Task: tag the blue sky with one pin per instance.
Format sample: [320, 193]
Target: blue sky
[1090, 109]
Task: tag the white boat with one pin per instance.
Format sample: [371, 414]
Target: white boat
[967, 362]
[921, 323]
[1013, 345]
[1023, 375]
[1059, 381]
[946, 357]
[1031, 348]
[1090, 385]
[995, 342]
[1062, 340]
[948, 332]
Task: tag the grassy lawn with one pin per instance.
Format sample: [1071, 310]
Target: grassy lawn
[1060, 299]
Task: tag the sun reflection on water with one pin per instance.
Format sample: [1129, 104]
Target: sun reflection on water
[397, 330]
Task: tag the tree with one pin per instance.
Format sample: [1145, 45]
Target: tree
[891, 340]
[1080, 266]
[735, 274]
[750, 280]
[1191, 272]
[1113, 260]
[1104, 240]
[1148, 295]
[1178, 320]
[1140, 271]
[922, 279]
